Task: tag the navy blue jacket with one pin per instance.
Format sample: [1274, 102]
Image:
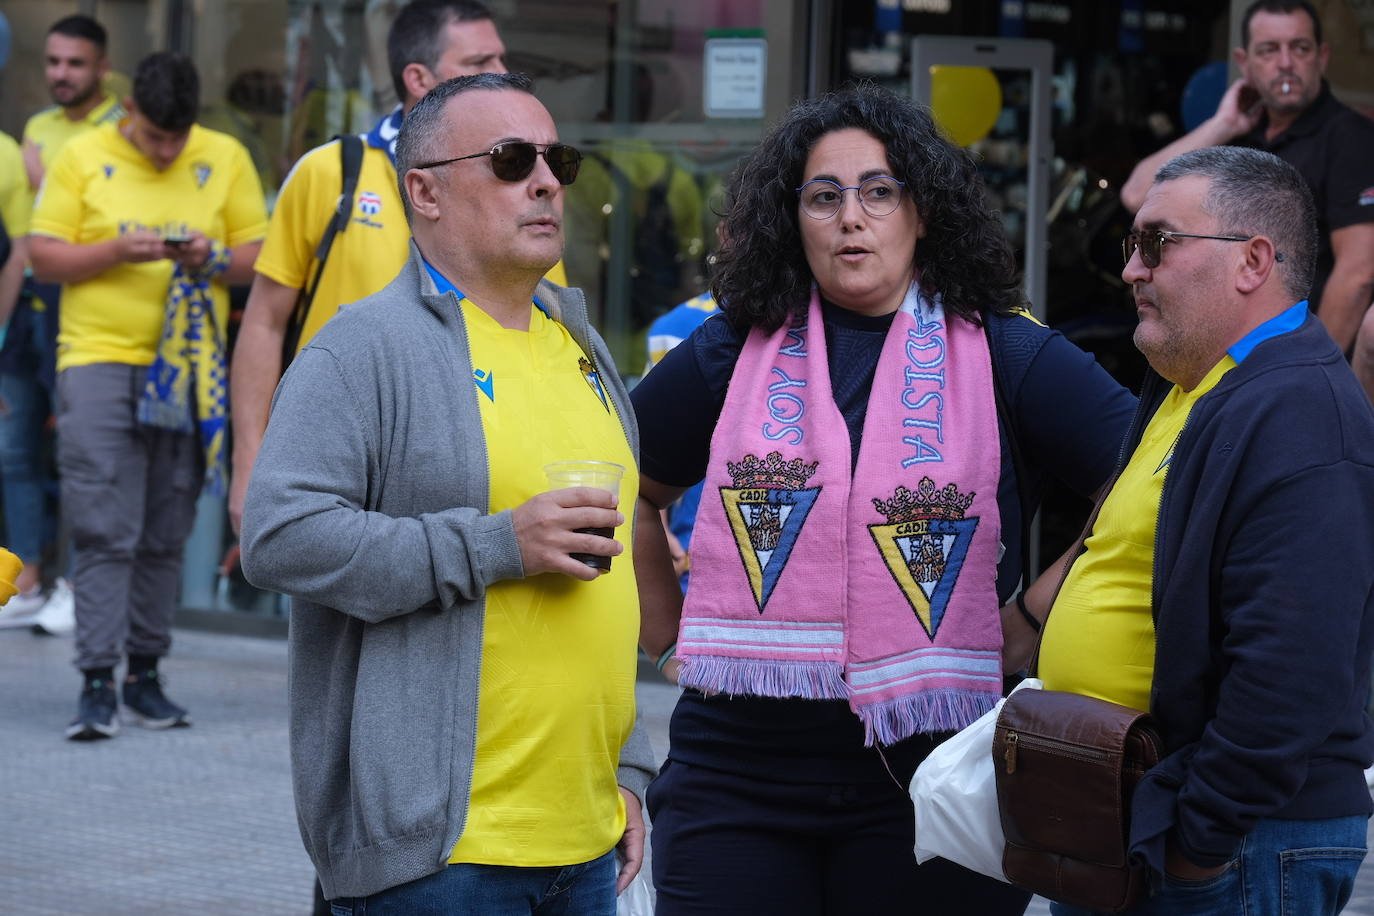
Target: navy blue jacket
[1263, 602]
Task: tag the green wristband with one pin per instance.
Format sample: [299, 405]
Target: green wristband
[663, 659]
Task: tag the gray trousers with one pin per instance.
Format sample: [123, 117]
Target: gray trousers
[129, 495]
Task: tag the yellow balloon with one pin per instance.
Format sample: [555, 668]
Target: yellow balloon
[965, 101]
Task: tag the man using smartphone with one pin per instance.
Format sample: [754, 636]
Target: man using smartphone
[144, 223]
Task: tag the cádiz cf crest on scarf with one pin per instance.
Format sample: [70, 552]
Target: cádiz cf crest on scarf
[767, 508]
[924, 544]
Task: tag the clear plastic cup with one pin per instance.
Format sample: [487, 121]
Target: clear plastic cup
[601, 475]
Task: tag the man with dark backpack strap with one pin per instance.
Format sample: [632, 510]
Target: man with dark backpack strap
[295, 290]
[350, 166]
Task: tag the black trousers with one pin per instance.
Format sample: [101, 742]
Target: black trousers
[724, 843]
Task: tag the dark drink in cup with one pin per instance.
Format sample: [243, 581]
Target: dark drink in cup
[594, 560]
[600, 475]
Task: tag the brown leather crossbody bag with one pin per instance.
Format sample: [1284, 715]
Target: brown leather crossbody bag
[1066, 768]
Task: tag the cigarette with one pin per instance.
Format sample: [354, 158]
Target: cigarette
[1285, 87]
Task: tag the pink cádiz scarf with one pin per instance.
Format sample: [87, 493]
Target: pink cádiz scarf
[877, 586]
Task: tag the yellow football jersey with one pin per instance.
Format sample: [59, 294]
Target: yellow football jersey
[51, 129]
[365, 257]
[16, 197]
[556, 700]
[100, 186]
[1100, 638]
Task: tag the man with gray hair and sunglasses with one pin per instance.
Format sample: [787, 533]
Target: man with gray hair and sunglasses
[1227, 583]
[462, 648]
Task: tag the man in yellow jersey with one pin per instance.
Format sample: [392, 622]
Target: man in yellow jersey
[74, 63]
[1227, 584]
[462, 699]
[144, 223]
[429, 41]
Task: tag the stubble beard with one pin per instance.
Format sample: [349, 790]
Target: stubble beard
[76, 101]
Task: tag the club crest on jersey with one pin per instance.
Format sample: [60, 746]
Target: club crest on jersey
[485, 382]
[108, 170]
[201, 171]
[924, 544]
[767, 508]
[593, 378]
[370, 203]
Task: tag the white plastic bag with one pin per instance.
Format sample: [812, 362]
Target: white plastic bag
[638, 898]
[955, 795]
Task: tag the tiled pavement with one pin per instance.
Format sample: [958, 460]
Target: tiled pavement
[188, 820]
[174, 822]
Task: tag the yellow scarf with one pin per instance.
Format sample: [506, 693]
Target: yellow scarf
[188, 382]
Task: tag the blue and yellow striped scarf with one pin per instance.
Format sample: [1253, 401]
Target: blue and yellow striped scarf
[188, 383]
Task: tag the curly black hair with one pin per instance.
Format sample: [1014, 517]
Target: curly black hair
[761, 276]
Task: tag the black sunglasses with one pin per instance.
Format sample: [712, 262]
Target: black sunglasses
[514, 161]
[1151, 244]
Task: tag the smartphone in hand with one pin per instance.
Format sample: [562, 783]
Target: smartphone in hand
[176, 241]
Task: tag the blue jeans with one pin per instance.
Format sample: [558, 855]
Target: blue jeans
[1284, 868]
[24, 409]
[497, 890]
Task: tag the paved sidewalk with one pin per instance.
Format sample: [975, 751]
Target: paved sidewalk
[187, 820]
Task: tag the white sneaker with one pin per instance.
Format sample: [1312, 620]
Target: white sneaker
[21, 610]
[58, 614]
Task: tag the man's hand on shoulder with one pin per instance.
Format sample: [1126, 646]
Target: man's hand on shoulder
[1239, 111]
[631, 845]
[547, 530]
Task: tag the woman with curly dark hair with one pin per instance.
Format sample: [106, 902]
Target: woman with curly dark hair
[874, 414]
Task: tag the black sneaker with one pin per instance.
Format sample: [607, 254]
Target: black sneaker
[95, 716]
[144, 703]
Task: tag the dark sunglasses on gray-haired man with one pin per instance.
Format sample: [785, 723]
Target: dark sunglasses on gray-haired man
[513, 161]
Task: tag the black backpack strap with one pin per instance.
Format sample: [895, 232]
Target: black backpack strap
[351, 161]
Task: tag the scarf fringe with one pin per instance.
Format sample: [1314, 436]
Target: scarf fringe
[944, 709]
[764, 677]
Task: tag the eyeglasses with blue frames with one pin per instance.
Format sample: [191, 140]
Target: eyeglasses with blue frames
[1151, 244]
[822, 198]
[513, 161]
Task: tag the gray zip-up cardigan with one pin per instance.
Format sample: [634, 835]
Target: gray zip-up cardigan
[368, 506]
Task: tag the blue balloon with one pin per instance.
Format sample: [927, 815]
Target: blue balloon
[1203, 93]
